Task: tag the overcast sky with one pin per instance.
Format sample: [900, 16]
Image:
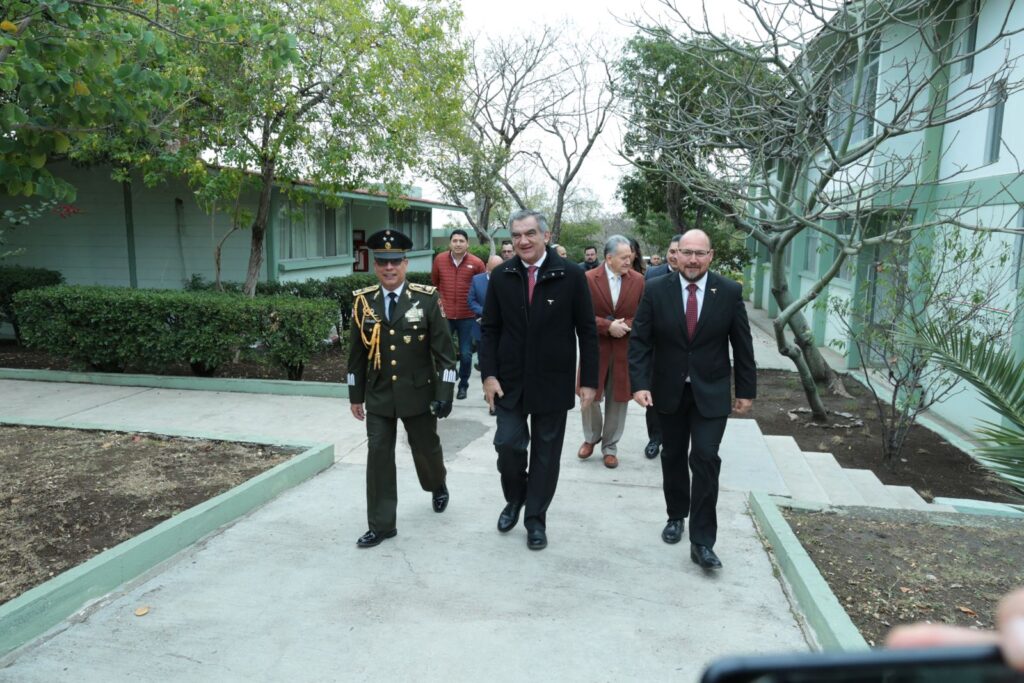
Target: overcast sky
[608, 19]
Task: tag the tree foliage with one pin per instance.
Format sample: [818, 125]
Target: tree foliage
[97, 81]
[843, 126]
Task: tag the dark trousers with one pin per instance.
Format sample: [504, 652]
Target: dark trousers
[381, 482]
[653, 424]
[691, 444]
[532, 482]
[463, 329]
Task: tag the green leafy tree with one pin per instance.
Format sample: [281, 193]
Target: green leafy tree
[94, 81]
[350, 98]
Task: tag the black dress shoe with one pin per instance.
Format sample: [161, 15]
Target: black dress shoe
[441, 498]
[509, 516]
[652, 449]
[536, 539]
[705, 557]
[461, 394]
[372, 538]
[673, 531]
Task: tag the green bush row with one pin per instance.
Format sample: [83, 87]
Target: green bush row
[111, 328]
[14, 279]
[337, 289]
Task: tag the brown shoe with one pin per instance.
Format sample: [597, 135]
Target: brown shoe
[610, 461]
[586, 450]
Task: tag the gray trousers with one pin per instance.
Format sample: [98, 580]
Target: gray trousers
[614, 422]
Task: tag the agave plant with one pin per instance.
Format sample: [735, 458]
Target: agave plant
[991, 368]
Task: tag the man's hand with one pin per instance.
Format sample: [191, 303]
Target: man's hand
[440, 409]
[357, 411]
[587, 395]
[742, 406]
[643, 398]
[492, 388]
[618, 328]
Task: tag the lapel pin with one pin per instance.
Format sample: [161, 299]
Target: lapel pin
[714, 290]
[550, 301]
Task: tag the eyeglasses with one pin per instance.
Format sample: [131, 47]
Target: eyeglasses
[385, 262]
[699, 253]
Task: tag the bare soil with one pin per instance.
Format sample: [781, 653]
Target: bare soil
[67, 495]
[327, 366]
[889, 567]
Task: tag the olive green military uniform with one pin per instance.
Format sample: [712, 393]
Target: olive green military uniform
[396, 369]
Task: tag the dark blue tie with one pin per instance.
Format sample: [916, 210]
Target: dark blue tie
[392, 299]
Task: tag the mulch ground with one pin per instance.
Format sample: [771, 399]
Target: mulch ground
[66, 495]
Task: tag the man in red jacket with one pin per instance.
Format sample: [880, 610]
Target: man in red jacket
[452, 274]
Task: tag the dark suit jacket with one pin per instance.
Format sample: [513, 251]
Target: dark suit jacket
[532, 349]
[417, 356]
[656, 271]
[661, 354]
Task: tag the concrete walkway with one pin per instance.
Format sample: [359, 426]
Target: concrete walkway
[284, 594]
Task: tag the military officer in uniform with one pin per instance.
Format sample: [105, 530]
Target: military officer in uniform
[401, 365]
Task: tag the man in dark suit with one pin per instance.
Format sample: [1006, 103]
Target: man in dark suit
[401, 366]
[538, 306]
[653, 421]
[679, 364]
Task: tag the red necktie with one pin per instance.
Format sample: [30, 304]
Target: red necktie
[532, 280]
[691, 310]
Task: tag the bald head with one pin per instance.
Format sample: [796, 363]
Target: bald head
[694, 254]
[493, 261]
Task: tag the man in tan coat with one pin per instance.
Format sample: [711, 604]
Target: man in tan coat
[615, 290]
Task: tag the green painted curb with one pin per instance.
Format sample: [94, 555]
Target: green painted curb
[46, 605]
[282, 387]
[830, 623]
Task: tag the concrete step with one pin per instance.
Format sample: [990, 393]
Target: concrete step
[795, 470]
[833, 479]
[908, 498]
[747, 463]
[874, 491]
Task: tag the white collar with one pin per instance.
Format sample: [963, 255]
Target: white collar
[701, 283]
[397, 291]
[539, 263]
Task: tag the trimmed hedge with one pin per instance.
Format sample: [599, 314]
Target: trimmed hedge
[14, 279]
[337, 289]
[111, 328]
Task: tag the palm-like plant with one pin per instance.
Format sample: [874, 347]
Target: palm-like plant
[998, 375]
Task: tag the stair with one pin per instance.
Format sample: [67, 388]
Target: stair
[795, 470]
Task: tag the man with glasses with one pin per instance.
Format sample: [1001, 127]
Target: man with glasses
[401, 366]
[679, 365]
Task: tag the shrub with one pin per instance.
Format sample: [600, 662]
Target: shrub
[337, 289]
[14, 279]
[110, 328]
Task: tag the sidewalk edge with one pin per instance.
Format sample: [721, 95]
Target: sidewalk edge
[830, 623]
[280, 387]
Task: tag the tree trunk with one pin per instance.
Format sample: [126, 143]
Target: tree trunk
[259, 228]
[796, 352]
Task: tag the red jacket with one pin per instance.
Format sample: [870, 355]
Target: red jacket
[454, 283]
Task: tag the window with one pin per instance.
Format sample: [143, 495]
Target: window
[965, 33]
[413, 222]
[313, 230]
[811, 255]
[848, 271]
[994, 137]
[841, 102]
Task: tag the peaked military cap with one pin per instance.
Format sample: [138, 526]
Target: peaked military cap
[389, 245]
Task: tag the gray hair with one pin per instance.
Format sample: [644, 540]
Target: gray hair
[613, 243]
[523, 214]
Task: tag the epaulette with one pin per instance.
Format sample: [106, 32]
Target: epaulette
[365, 290]
[425, 289]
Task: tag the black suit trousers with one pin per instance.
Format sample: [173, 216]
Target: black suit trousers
[529, 477]
[690, 443]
